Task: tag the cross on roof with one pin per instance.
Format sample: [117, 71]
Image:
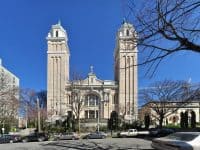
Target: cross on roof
[91, 69]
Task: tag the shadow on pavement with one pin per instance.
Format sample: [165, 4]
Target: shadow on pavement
[85, 145]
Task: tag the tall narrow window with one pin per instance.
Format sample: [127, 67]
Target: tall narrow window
[56, 33]
[86, 114]
[127, 32]
[97, 113]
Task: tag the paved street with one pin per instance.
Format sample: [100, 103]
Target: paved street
[97, 144]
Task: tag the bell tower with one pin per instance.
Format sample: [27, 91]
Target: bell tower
[126, 71]
[57, 69]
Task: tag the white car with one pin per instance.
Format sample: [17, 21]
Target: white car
[178, 141]
[129, 133]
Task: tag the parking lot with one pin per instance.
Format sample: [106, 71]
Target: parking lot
[96, 144]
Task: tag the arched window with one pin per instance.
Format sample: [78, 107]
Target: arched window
[127, 32]
[91, 100]
[56, 33]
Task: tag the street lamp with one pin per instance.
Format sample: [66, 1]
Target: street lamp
[98, 119]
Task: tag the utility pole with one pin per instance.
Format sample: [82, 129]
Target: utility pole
[38, 110]
[26, 115]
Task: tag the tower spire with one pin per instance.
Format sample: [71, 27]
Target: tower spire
[124, 20]
[59, 22]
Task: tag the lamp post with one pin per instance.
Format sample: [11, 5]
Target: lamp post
[98, 115]
[38, 110]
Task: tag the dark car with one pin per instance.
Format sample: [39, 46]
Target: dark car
[15, 138]
[7, 138]
[95, 135]
[160, 132]
[35, 137]
[66, 136]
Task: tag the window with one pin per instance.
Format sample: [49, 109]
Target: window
[86, 114]
[56, 33]
[97, 113]
[70, 100]
[127, 32]
[91, 100]
[91, 114]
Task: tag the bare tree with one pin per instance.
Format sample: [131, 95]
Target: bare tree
[166, 97]
[76, 98]
[165, 27]
[42, 96]
[29, 108]
[9, 101]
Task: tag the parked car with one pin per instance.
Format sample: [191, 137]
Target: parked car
[132, 133]
[103, 133]
[129, 133]
[66, 136]
[160, 132]
[35, 137]
[95, 135]
[178, 141]
[8, 138]
[15, 138]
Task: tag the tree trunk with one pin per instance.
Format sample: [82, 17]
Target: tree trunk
[78, 124]
[161, 121]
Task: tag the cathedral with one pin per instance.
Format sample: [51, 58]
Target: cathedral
[92, 97]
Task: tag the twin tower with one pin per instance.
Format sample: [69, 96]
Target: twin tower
[99, 98]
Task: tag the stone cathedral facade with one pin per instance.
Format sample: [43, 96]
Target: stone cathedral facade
[98, 97]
